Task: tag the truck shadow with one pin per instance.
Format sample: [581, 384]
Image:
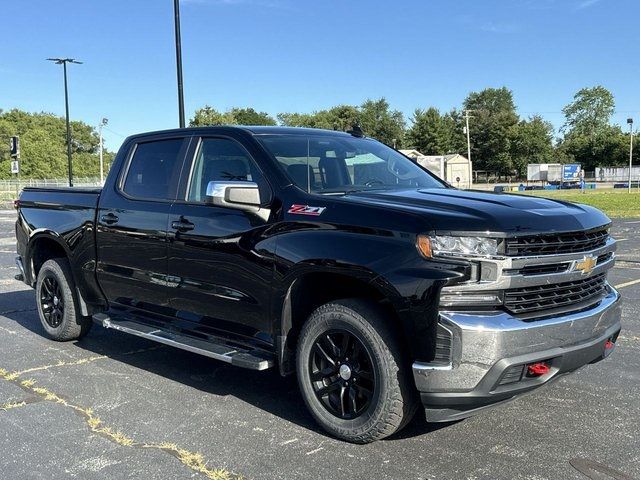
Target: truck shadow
[265, 390]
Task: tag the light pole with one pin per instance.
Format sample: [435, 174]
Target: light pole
[176, 13]
[63, 62]
[630, 122]
[103, 123]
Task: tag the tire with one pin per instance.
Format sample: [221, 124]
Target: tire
[347, 411]
[56, 302]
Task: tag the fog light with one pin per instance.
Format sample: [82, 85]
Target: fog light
[468, 299]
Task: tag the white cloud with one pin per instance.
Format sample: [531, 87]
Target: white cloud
[500, 28]
[587, 4]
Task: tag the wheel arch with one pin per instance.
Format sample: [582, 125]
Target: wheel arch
[45, 245]
[310, 290]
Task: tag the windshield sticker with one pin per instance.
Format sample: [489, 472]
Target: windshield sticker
[306, 210]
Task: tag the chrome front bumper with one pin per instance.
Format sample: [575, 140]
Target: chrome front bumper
[485, 346]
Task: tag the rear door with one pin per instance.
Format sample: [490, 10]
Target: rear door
[222, 277]
[132, 225]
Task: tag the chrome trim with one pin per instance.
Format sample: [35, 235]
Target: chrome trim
[505, 281]
[482, 340]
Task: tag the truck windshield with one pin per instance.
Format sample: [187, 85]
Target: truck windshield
[342, 164]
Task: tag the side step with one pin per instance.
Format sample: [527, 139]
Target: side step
[219, 351]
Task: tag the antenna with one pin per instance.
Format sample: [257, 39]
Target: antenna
[356, 131]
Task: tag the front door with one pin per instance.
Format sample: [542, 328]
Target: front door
[132, 226]
[221, 278]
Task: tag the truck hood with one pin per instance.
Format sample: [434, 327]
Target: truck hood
[451, 210]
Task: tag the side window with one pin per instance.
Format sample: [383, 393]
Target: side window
[221, 159]
[154, 170]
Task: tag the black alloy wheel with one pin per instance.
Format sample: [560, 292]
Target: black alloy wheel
[342, 374]
[52, 301]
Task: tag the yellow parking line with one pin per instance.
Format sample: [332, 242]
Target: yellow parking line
[628, 284]
[194, 460]
[11, 405]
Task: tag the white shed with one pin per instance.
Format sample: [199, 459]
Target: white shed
[454, 168]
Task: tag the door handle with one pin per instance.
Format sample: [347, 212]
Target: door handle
[109, 219]
[182, 225]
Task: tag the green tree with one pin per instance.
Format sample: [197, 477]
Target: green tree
[288, 119]
[341, 117]
[435, 134]
[531, 142]
[43, 146]
[494, 117]
[375, 117]
[248, 116]
[428, 133]
[377, 120]
[590, 112]
[208, 115]
[589, 138]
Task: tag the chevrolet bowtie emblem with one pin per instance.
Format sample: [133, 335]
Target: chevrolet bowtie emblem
[586, 265]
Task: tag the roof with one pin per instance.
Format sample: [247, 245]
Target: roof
[254, 130]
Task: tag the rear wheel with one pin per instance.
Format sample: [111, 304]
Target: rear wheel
[351, 372]
[56, 302]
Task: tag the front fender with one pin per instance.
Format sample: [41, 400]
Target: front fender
[388, 262]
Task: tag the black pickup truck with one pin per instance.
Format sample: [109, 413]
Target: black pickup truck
[331, 256]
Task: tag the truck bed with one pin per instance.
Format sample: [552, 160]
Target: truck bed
[64, 189]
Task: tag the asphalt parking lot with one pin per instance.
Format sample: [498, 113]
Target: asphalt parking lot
[113, 406]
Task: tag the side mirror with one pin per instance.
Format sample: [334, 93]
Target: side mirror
[238, 195]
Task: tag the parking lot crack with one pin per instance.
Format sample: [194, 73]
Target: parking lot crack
[19, 404]
[83, 361]
[194, 460]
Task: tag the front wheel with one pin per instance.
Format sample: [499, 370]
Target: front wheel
[56, 301]
[351, 373]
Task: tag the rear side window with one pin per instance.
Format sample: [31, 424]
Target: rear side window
[154, 170]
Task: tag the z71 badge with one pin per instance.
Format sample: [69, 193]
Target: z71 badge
[306, 210]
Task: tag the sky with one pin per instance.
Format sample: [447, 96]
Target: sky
[298, 55]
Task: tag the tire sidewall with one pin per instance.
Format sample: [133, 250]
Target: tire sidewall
[336, 320]
[52, 268]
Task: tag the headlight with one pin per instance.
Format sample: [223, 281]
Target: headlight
[445, 244]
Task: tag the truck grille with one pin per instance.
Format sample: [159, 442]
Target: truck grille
[546, 297]
[557, 243]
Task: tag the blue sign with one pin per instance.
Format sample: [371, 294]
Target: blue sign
[571, 172]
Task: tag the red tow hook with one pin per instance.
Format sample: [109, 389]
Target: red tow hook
[609, 345]
[538, 369]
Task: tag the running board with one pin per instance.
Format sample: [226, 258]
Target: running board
[219, 351]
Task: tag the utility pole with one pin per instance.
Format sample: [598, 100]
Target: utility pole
[103, 123]
[176, 12]
[630, 122]
[63, 62]
[466, 129]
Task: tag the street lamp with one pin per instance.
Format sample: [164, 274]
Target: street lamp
[103, 123]
[176, 13]
[63, 62]
[630, 122]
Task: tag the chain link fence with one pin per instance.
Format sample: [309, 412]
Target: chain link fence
[10, 189]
